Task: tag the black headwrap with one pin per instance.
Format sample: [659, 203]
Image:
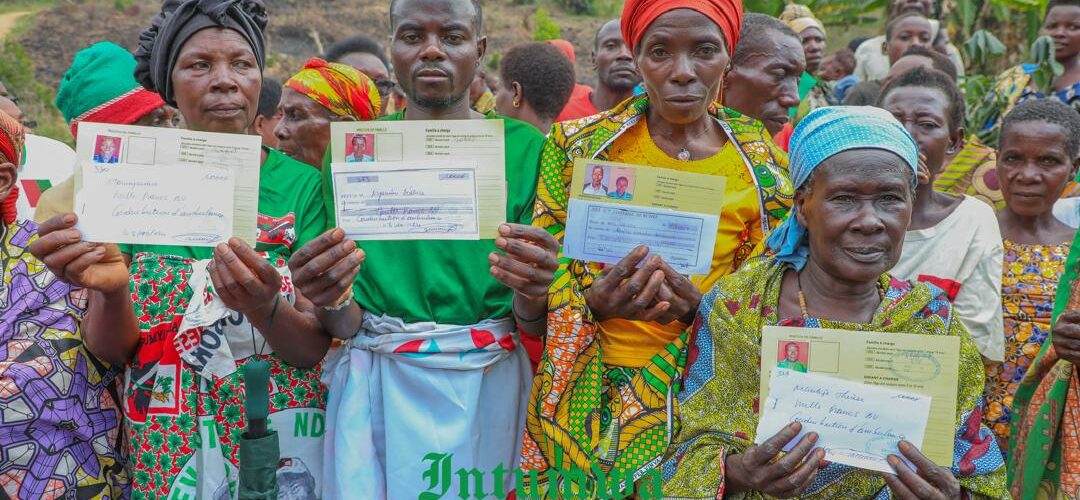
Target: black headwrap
[178, 20]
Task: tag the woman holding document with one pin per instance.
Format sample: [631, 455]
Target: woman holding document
[854, 169]
[184, 320]
[616, 340]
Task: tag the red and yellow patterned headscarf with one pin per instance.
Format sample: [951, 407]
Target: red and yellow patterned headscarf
[342, 89]
[12, 136]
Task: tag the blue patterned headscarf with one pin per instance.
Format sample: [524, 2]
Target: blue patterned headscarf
[822, 134]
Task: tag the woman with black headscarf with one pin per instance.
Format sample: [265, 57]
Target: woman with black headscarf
[183, 394]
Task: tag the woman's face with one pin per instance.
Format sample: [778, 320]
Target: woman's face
[1062, 24]
[1034, 166]
[216, 81]
[856, 209]
[813, 42]
[908, 32]
[682, 57]
[303, 131]
[924, 112]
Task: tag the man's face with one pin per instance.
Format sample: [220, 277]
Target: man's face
[620, 185]
[792, 352]
[108, 148]
[613, 61]
[436, 50]
[597, 176]
[766, 83]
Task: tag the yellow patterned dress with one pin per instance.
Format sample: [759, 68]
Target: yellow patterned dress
[619, 417]
[972, 172]
[1029, 283]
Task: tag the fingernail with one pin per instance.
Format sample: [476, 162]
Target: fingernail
[69, 218]
[347, 246]
[338, 234]
[893, 461]
[493, 258]
[504, 229]
[235, 242]
[813, 437]
[493, 270]
[500, 242]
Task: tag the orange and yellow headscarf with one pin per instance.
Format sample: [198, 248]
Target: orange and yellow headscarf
[340, 88]
[800, 17]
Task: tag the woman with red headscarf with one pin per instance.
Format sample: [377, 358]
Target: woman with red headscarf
[59, 432]
[615, 345]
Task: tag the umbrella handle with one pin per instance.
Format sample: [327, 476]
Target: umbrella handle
[257, 396]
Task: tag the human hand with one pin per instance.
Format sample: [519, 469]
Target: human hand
[530, 261]
[96, 266]
[325, 268]
[928, 481]
[627, 292]
[245, 281]
[1066, 336]
[759, 469]
[681, 293]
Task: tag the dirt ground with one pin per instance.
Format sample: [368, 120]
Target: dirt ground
[7, 21]
[297, 30]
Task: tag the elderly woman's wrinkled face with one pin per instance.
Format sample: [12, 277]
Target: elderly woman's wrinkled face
[216, 81]
[1034, 166]
[856, 208]
[682, 57]
[304, 128]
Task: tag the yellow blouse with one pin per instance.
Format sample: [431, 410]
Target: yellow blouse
[633, 343]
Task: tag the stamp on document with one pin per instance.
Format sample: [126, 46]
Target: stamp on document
[914, 365]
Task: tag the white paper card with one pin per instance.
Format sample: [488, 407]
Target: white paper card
[857, 424]
[157, 186]
[423, 200]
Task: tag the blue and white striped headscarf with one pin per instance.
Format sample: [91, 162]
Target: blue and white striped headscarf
[822, 134]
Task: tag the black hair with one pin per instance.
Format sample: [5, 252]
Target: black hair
[544, 73]
[939, 61]
[1061, 3]
[269, 97]
[931, 79]
[854, 44]
[845, 57]
[757, 28]
[356, 45]
[1048, 111]
[596, 37]
[478, 21]
[896, 20]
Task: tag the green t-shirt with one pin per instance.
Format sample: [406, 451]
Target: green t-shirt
[447, 281]
[792, 365]
[291, 211]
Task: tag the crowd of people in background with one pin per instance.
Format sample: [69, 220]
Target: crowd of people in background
[858, 196]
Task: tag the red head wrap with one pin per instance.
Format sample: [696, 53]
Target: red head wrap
[637, 15]
[565, 46]
[12, 135]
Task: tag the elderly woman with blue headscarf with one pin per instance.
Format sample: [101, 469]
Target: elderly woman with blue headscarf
[827, 267]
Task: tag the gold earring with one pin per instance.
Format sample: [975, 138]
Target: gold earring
[517, 103]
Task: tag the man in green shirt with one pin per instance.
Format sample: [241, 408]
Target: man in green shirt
[432, 362]
[791, 359]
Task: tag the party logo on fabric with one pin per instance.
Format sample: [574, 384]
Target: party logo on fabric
[277, 231]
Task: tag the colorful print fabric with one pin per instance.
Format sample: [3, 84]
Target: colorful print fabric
[1029, 283]
[972, 172]
[183, 401]
[59, 421]
[719, 407]
[1044, 445]
[581, 411]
